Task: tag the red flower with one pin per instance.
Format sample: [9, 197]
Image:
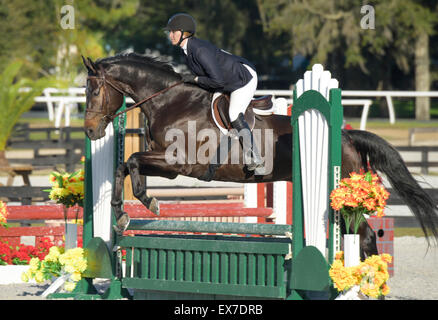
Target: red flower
[23, 253]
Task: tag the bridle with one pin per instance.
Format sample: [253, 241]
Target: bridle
[108, 118]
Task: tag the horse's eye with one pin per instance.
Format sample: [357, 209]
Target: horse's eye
[96, 92]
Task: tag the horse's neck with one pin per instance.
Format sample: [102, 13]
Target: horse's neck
[140, 87]
[148, 87]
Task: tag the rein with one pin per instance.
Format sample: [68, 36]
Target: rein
[106, 81]
[144, 100]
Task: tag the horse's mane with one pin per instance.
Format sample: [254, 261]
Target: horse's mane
[143, 60]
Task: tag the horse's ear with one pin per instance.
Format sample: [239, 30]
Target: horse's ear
[89, 64]
[92, 64]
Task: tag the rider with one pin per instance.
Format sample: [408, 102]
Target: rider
[217, 70]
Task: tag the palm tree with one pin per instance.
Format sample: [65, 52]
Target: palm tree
[14, 102]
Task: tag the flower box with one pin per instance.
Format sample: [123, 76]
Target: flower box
[11, 274]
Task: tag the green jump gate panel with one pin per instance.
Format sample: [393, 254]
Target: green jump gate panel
[206, 267]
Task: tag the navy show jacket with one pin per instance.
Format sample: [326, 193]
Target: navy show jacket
[217, 70]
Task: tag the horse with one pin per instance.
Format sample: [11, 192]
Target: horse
[169, 104]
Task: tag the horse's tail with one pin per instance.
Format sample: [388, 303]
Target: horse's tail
[383, 157]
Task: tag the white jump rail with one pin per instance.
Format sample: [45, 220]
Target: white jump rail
[388, 95]
[54, 96]
[365, 103]
[366, 107]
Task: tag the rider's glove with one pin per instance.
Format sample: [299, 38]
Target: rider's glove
[189, 78]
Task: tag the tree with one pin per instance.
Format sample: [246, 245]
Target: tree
[13, 101]
[28, 32]
[91, 20]
[329, 31]
[33, 32]
[233, 25]
[422, 32]
[221, 22]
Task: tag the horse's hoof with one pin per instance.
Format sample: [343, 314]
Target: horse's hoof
[122, 224]
[154, 206]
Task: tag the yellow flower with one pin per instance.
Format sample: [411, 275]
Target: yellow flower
[3, 212]
[386, 257]
[69, 268]
[34, 264]
[53, 254]
[24, 277]
[385, 289]
[73, 260]
[81, 265]
[39, 277]
[53, 178]
[370, 274]
[339, 255]
[67, 189]
[76, 276]
[69, 286]
[342, 277]
[379, 279]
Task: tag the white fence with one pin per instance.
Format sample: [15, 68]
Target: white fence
[61, 101]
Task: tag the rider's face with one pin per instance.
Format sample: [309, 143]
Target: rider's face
[174, 36]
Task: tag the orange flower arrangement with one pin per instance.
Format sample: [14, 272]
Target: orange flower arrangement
[361, 193]
[371, 275]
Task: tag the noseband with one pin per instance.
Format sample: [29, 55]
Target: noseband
[108, 118]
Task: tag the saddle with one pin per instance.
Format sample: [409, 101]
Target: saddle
[221, 104]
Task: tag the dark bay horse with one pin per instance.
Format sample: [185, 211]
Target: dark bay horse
[138, 77]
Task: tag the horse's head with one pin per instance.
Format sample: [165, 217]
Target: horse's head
[103, 100]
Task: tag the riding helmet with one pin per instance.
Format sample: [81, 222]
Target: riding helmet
[182, 22]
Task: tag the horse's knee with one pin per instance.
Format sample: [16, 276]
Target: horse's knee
[122, 170]
[132, 163]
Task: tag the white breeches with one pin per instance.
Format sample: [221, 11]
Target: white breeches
[240, 98]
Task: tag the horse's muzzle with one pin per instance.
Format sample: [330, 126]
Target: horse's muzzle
[95, 133]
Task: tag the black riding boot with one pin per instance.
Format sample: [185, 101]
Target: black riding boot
[249, 147]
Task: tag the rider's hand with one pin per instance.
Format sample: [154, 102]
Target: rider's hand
[189, 78]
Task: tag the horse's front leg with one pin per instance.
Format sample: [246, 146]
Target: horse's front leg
[122, 217]
[138, 188]
[151, 163]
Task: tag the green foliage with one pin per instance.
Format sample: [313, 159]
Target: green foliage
[32, 32]
[221, 22]
[318, 27]
[270, 33]
[28, 31]
[330, 32]
[13, 101]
